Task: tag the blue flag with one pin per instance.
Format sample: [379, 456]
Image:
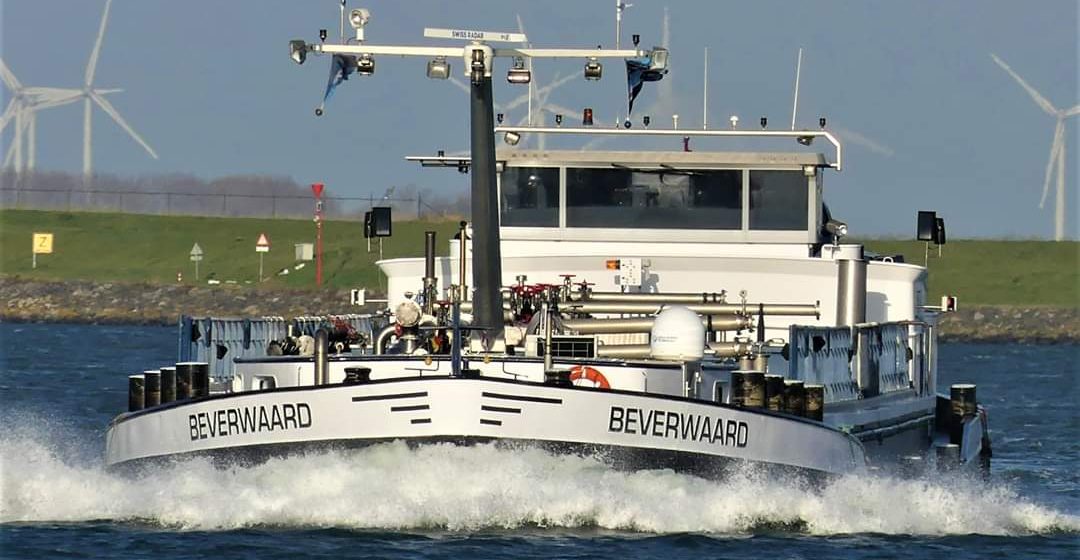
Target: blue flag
[639, 71]
[340, 68]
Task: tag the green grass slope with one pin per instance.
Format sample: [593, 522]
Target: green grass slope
[994, 272]
[143, 248]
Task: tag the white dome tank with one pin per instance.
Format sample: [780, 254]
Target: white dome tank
[677, 334]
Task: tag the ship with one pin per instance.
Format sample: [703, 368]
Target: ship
[692, 309]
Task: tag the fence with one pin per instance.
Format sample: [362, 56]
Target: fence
[206, 204]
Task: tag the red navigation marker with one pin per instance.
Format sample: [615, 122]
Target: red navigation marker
[316, 189]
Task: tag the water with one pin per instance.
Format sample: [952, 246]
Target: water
[60, 385]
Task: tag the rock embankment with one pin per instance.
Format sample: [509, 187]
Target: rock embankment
[91, 302]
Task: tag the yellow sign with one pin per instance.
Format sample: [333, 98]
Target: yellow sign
[43, 243]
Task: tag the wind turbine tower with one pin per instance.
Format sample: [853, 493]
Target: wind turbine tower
[1057, 149]
[94, 96]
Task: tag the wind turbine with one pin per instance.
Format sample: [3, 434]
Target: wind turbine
[91, 95]
[1057, 149]
[22, 109]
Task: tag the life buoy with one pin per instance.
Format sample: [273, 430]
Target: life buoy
[588, 377]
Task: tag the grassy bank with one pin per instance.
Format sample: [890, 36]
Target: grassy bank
[141, 248]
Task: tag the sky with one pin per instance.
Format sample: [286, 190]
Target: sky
[928, 121]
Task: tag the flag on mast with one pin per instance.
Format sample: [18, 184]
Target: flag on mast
[340, 68]
[639, 71]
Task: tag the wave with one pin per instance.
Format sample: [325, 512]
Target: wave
[446, 487]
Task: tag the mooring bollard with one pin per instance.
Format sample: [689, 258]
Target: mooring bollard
[168, 384]
[748, 389]
[151, 388]
[135, 392]
[200, 380]
[774, 392]
[948, 456]
[815, 402]
[185, 388]
[794, 397]
[962, 404]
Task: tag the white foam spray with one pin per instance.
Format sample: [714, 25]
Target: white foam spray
[394, 487]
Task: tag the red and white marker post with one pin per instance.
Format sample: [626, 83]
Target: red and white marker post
[317, 190]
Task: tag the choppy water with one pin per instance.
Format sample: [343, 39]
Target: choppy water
[60, 384]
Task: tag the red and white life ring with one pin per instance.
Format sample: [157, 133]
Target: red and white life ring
[586, 376]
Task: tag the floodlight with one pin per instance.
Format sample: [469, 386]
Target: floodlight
[658, 59]
[365, 65]
[593, 69]
[438, 68]
[837, 228]
[298, 51]
[805, 140]
[519, 74]
[512, 138]
[359, 17]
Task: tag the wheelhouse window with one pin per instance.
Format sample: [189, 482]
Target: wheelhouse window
[530, 196]
[654, 198]
[778, 200]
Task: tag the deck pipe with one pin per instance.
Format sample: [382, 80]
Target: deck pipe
[135, 392]
[851, 290]
[151, 388]
[674, 297]
[962, 405]
[322, 356]
[774, 392]
[168, 384]
[748, 389]
[713, 323]
[795, 397]
[431, 282]
[785, 309]
[815, 402]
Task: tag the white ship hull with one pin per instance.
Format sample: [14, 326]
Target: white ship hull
[629, 430]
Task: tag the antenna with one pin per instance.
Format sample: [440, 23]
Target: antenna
[705, 95]
[619, 7]
[795, 105]
[342, 23]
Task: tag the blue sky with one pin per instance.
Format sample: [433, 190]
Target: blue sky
[930, 121]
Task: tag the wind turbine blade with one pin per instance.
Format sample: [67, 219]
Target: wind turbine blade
[9, 112]
[91, 66]
[108, 108]
[665, 32]
[9, 78]
[1073, 111]
[1055, 152]
[1039, 99]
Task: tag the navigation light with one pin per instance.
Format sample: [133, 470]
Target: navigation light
[593, 69]
[365, 65]
[298, 51]
[764, 122]
[519, 74]
[586, 117]
[438, 68]
[512, 138]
